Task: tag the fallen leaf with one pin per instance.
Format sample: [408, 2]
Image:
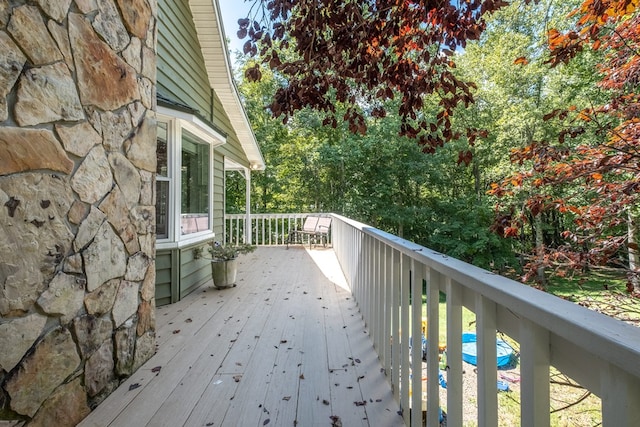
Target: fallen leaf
[325, 402]
[301, 376]
[237, 378]
[134, 386]
[287, 398]
[156, 369]
[267, 421]
[176, 331]
[360, 403]
[189, 320]
[283, 341]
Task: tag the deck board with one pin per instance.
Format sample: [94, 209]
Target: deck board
[286, 347]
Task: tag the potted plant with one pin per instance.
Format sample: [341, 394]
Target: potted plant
[224, 266]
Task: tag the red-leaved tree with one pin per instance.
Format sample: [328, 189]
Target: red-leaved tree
[363, 53]
[596, 155]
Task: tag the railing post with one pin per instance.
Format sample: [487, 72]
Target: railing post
[377, 296]
[434, 279]
[620, 395]
[534, 372]
[487, 356]
[454, 353]
[395, 324]
[404, 335]
[388, 311]
[418, 275]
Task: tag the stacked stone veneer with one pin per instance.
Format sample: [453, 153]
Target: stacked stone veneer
[77, 216]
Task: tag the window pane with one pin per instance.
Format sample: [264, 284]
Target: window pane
[162, 209]
[162, 183]
[161, 150]
[195, 184]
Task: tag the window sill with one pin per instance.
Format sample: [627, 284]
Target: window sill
[186, 240]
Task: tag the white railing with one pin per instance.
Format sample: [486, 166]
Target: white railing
[383, 270]
[386, 272]
[266, 229]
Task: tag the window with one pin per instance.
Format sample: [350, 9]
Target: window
[162, 183]
[184, 188]
[194, 206]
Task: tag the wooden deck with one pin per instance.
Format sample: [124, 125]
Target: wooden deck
[286, 347]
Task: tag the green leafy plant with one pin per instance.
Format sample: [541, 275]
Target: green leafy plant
[228, 252]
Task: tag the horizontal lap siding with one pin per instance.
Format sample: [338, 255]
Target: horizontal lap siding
[232, 149]
[193, 272]
[165, 269]
[218, 197]
[182, 75]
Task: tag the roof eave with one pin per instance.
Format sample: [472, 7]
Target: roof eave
[208, 23]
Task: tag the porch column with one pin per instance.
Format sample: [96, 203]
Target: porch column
[247, 220]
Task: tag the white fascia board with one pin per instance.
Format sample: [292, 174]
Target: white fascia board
[208, 22]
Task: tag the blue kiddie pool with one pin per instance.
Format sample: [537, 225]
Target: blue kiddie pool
[470, 350]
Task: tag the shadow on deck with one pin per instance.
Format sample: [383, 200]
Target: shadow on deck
[286, 347]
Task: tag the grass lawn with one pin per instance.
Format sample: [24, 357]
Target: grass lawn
[604, 291]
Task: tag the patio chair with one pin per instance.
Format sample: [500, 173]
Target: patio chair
[317, 228]
[323, 228]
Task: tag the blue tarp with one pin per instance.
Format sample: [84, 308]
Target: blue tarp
[470, 350]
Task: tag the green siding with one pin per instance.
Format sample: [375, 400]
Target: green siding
[193, 272]
[182, 75]
[166, 276]
[218, 197]
[232, 149]
[178, 273]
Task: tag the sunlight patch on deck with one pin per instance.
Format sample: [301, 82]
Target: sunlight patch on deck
[327, 262]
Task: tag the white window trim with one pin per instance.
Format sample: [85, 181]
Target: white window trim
[177, 121]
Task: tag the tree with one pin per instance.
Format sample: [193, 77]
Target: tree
[596, 155]
[366, 53]
[350, 60]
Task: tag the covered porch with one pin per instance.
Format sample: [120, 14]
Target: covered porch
[321, 335]
[287, 346]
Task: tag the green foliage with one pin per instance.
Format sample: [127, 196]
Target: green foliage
[228, 252]
[460, 230]
[387, 181]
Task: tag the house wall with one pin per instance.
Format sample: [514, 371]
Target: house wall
[218, 196]
[181, 72]
[77, 215]
[232, 149]
[183, 78]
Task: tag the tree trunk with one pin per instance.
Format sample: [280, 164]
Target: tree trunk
[634, 254]
[542, 280]
[476, 179]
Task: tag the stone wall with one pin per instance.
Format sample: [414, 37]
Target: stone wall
[77, 216]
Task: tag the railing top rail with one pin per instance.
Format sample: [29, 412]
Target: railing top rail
[275, 215]
[606, 337]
